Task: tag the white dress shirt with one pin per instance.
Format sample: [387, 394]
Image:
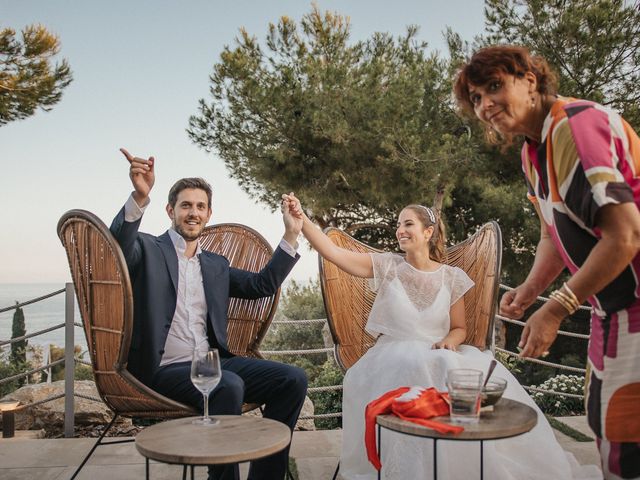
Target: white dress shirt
[188, 326]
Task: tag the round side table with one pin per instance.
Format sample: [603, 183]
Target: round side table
[508, 418]
[235, 439]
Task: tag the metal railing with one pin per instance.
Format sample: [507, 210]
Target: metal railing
[70, 361]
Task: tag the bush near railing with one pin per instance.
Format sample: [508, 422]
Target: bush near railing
[571, 403]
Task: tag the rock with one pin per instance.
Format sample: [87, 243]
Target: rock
[50, 415]
[303, 424]
[307, 411]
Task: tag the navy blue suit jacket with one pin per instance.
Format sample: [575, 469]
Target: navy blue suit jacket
[153, 268]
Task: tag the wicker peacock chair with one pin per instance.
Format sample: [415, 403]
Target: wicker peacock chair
[348, 299]
[105, 301]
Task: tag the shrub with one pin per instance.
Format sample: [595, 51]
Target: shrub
[329, 401]
[560, 405]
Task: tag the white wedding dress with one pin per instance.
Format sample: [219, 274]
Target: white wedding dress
[411, 312]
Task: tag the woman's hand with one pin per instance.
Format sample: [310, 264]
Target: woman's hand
[515, 302]
[541, 330]
[445, 344]
[292, 203]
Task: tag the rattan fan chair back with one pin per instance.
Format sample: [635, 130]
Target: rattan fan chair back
[245, 249]
[348, 299]
[103, 289]
[105, 301]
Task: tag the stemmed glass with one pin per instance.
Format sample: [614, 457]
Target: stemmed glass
[205, 375]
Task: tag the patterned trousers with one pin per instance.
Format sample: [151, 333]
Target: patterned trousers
[613, 391]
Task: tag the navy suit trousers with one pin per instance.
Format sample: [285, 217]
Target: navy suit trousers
[279, 387]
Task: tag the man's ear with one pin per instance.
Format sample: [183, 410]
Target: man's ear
[209, 214]
[169, 210]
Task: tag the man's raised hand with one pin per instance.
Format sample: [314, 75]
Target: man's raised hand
[142, 175]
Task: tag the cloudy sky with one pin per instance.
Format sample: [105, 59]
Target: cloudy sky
[139, 69]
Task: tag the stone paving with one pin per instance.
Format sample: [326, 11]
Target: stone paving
[315, 453]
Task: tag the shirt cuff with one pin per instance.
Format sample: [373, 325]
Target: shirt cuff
[132, 211]
[286, 246]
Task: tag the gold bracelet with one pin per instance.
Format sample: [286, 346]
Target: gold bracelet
[562, 302]
[568, 299]
[558, 297]
[571, 294]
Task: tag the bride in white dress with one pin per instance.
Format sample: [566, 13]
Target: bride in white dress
[418, 314]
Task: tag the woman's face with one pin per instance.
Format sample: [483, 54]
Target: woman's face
[505, 103]
[411, 233]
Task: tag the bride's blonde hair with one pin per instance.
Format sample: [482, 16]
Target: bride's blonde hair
[428, 217]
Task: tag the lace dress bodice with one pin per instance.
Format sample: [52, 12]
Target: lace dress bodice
[410, 303]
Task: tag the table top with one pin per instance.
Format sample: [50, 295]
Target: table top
[508, 419]
[235, 439]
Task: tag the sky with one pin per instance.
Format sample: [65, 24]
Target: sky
[139, 69]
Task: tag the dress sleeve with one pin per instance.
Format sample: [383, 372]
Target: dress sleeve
[460, 284]
[590, 150]
[382, 263]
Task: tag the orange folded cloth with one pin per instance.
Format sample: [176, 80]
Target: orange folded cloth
[415, 404]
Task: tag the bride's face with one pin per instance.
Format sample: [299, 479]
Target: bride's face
[411, 233]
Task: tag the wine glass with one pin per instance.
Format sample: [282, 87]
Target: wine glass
[205, 375]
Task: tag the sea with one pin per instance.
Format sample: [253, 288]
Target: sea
[40, 315]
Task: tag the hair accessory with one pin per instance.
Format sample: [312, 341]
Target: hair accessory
[432, 216]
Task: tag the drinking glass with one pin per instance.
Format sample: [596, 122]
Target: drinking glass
[465, 386]
[205, 375]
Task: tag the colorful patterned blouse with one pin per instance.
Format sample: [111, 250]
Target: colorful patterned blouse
[589, 157]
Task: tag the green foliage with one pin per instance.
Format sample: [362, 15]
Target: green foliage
[304, 302]
[342, 124]
[567, 430]
[82, 372]
[18, 349]
[28, 78]
[299, 302]
[331, 400]
[513, 364]
[593, 45]
[560, 405]
[8, 369]
[359, 130]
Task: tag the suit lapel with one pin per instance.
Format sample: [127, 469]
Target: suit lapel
[170, 257]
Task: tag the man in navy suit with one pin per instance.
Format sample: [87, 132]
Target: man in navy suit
[181, 294]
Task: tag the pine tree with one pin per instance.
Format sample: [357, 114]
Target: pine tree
[28, 78]
[18, 349]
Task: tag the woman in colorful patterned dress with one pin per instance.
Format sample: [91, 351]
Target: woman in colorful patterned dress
[582, 166]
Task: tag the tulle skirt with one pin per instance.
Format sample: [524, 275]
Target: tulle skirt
[393, 363]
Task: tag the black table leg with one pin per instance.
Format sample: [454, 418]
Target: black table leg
[184, 472]
[193, 468]
[380, 450]
[435, 459]
[481, 460]
[146, 468]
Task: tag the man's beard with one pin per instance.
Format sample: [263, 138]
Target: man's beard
[187, 236]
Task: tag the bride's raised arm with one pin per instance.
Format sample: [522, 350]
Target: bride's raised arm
[354, 263]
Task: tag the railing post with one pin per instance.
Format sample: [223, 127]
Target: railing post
[69, 360]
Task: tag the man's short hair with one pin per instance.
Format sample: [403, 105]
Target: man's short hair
[192, 182]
